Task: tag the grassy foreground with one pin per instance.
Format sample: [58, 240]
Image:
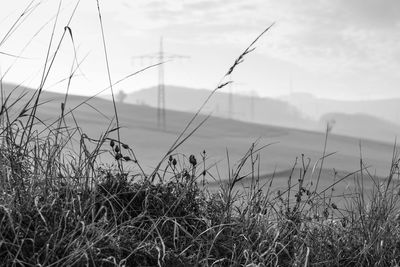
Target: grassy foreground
[61, 206]
[57, 213]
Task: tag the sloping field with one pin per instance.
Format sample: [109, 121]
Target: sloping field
[219, 138]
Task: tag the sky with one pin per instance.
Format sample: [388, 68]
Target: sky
[342, 49]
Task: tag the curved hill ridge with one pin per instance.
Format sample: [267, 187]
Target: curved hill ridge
[352, 117]
[218, 136]
[364, 125]
[245, 108]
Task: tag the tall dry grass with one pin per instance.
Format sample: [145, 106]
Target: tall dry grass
[69, 211]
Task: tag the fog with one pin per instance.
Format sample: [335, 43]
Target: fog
[322, 63]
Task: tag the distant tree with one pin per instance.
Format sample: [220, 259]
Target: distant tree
[121, 96]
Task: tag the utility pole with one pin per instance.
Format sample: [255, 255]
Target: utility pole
[161, 57]
[231, 95]
[230, 102]
[291, 87]
[161, 117]
[252, 105]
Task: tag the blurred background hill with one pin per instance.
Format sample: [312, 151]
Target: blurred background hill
[370, 119]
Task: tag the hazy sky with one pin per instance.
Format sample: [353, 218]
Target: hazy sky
[346, 49]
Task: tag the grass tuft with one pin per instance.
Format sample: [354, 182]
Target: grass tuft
[60, 205]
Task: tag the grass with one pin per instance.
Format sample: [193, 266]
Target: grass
[60, 206]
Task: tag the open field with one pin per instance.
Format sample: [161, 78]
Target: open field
[273, 211]
[221, 136]
[90, 182]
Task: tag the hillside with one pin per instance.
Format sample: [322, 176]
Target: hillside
[301, 111]
[246, 108]
[357, 125]
[218, 136]
[386, 109]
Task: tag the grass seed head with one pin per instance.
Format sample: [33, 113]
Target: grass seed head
[125, 146]
[118, 156]
[192, 160]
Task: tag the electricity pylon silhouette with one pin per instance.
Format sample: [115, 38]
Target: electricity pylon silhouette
[230, 103]
[252, 105]
[162, 57]
[231, 95]
[161, 117]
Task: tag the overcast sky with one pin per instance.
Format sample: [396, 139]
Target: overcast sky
[343, 49]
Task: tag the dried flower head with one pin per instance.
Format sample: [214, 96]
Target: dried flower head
[192, 160]
[125, 146]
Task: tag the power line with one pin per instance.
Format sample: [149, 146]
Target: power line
[161, 116]
[230, 102]
[162, 57]
[252, 105]
[231, 99]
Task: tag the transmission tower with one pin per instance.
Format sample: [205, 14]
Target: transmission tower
[161, 57]
[252, 105]
[291, 87]
[231, 95]
[161, 117]
[230, 102]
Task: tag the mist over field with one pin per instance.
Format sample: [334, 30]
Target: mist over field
[199, 133]
[276, 96]
[286, 137]
[297, 110]
[146, 73]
